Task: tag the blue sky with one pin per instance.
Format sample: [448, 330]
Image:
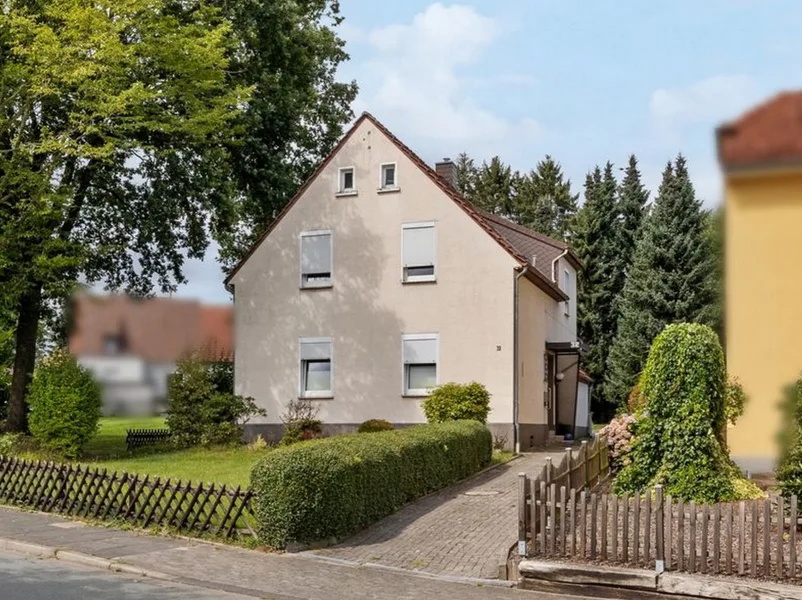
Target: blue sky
[585, 81]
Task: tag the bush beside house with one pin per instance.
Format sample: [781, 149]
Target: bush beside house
[456, 401]
[200, 412]
[329, 488]
[65, 403]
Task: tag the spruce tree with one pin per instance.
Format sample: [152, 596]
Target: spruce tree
[597, 246]
[494, 188]
[466, 176]
[632, 198]
[544, 202]
[669, 280]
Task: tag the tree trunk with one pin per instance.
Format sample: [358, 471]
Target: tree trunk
[30, 308]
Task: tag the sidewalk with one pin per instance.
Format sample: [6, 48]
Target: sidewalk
[464, 530]
[230, 569]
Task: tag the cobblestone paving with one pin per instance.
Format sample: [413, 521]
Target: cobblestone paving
[465, 530]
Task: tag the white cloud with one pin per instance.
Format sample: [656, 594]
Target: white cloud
[414, 79]
[713, 99]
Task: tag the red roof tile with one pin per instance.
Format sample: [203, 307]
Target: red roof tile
[154, 329]
[770, 133]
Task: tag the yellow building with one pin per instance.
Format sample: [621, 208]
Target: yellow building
[761, 158]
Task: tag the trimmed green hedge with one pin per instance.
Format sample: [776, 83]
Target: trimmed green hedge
[329, 488]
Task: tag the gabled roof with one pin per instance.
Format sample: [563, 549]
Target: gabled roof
[532, 244]
[153, 329]
[512, 240]
[768, 135]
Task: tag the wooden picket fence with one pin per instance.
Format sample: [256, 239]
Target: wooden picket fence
[578, 468]
[137, 438]
[74, 490]
[756, 538]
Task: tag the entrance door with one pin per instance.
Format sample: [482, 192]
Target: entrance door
[550, 391]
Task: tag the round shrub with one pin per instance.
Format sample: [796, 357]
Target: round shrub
[65, 403]
[374, 425]
[678, 441]
[457, 401]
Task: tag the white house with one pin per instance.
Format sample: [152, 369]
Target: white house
[378, 281]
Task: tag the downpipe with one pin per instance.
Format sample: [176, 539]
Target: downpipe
[515, 410]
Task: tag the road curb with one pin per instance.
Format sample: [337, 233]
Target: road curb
[27, 548]
[600, 580]
[79, 558]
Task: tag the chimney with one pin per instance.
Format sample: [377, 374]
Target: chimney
[448, 171]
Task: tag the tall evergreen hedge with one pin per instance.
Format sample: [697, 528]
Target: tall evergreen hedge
[329, 488]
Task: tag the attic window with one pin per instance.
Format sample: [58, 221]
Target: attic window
[347, 185]
[388, 181]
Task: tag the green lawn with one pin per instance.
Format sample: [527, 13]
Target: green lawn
[231, 466]
[110, 439]
[107, 450]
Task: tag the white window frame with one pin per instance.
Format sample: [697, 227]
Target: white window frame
[419, 278]
[388, 188]
[321, 394]
[314, 233]
[415, 393]
[567, 290]
[341, 191]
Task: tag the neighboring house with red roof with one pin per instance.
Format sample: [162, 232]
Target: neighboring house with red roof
[761, 159]
[378, 281]
[132, 345]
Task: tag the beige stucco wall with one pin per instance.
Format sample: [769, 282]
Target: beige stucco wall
[561, 327]
[763, 304]
[368, 308]
[533, 324]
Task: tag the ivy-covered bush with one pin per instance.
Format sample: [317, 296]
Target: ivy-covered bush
[375, 425]
[457, 401]
[199, 412]
[618, 434]
[735, 400]
[329, 488]
[65, 403]
[789, 469]
[678, 441]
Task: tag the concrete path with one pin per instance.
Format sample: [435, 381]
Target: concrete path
[230, 569]
[466, 530]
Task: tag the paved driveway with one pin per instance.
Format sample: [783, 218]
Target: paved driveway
[465, 530]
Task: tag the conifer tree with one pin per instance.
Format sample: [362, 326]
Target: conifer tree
[466, 176]
[669, 280]
[544, 201]
[596, 244]
[494, 188]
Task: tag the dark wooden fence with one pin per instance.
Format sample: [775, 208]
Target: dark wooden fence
[580, 467]
[756, 538]
[137, 438]
[74, 490]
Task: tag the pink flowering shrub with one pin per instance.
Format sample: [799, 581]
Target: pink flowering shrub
[619, 434]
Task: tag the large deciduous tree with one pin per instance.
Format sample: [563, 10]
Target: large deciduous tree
[131, 133]
[114, 122]
[671, 279]
[289, 51]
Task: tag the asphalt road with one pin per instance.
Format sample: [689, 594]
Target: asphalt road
[34, 579]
